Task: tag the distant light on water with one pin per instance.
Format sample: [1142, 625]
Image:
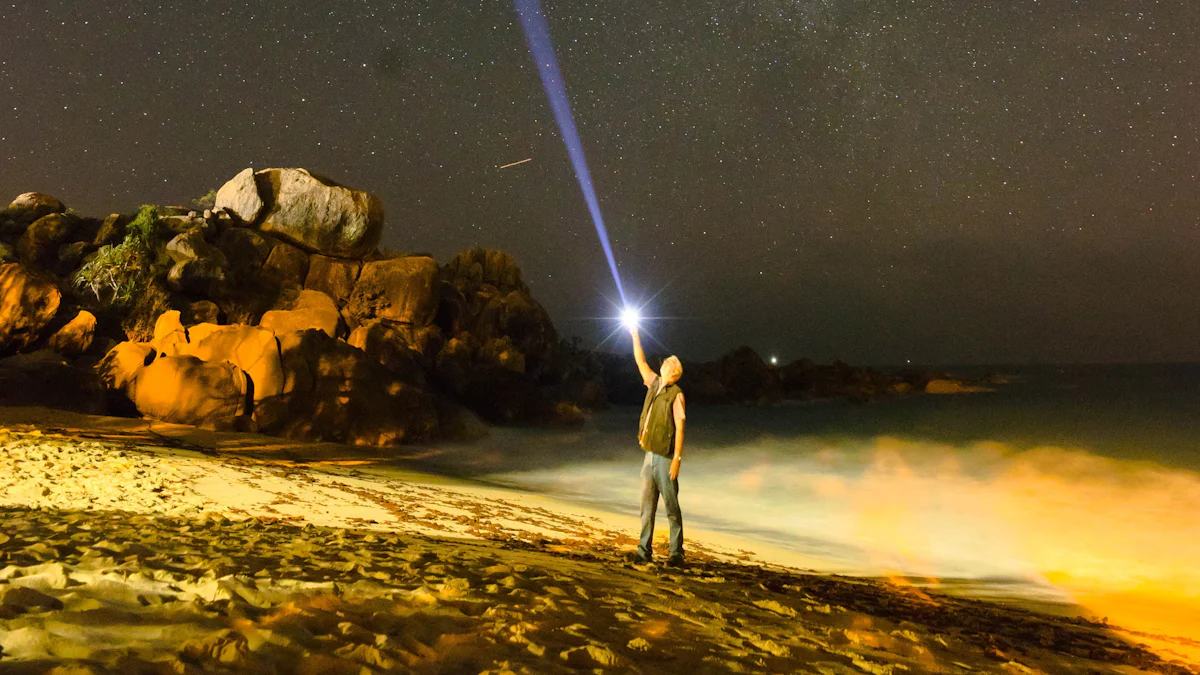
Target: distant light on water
[537, 34]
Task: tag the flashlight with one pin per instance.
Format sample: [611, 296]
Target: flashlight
[630, 317]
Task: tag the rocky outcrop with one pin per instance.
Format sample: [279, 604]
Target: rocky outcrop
[40, 241]
[382, 348]
[75, 336]
[307, 310]
[240, 197]
[336, 393]
[401, 290]
[334, 277]
[317, 214]
[285, 267]
[28, 303]
[27, 208]
[188, 390]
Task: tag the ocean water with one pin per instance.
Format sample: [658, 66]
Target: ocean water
[1079, 484]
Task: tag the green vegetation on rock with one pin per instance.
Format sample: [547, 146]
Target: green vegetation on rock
[117, 275]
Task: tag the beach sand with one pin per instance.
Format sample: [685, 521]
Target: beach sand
[130, 547]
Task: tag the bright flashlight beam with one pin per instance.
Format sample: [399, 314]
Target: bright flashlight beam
[537, 34]
[630, 317]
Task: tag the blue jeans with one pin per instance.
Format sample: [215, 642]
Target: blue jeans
[656, 480]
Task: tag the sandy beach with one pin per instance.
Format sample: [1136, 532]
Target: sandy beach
[146, 548]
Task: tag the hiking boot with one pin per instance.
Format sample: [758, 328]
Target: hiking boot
[675, 561]
[636, 558]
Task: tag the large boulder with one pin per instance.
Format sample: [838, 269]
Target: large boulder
[200, 268]
[473, 267]
[75, 336]
[335, 392]
[318, 214]
[402, 290]
[397, 347]
[30, 206]
[111, 230]
[246, 250]
[39, 244]
[169, 334]
[518, 317]
[123, 362]
[188, 390]
[286, 267]
[308, 309]
[371, 336]
[28, 303]
[201, 311]
[254, 350]
[201, 277]
[500, 353]
[240, 197]
[191, 245]
[334, 277]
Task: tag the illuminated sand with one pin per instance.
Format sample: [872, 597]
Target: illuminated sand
[189, 563]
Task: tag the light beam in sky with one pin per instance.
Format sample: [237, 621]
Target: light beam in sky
[537, 34]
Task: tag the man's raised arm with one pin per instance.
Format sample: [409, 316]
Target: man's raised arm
[640, 357]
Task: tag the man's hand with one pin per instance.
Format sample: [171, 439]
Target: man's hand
[675, 467]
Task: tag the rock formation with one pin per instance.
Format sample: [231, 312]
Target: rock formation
[273, 311]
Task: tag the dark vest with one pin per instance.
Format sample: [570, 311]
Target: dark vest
[656, 428]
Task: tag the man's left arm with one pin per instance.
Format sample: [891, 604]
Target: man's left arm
[680, 416]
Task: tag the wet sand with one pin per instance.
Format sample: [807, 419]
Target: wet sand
[129, 547]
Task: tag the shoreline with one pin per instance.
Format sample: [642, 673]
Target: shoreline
[272, 489]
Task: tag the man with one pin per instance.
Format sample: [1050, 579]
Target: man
[660, 433]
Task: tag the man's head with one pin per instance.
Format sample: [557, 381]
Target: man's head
[671, 370]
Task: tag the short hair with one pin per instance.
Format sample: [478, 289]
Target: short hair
[674, 362]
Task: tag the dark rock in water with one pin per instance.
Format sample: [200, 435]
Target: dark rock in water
[403, 290]
[318, 214]
[302, 311]
[39, 244]
[240, 197]
[746, 376]
[286, 266]
[187, 390]
[334, 277]
[28, 302]
[45, 378]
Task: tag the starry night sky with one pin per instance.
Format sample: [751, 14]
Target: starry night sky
[877, 181]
